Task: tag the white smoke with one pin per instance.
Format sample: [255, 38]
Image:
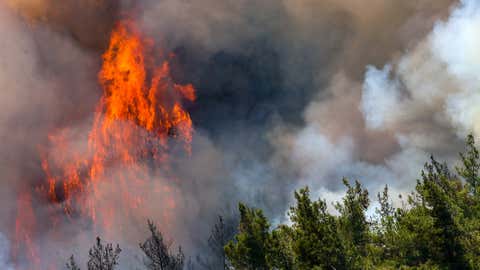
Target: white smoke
[421, 103]
[5, 253]
[456, 43]
[438, 82]
[335, 144]
[440, 79]
[44, 68]
[380, 95]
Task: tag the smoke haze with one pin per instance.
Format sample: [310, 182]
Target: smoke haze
[290, 93]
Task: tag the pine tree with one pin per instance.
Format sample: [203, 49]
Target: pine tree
[386, 210]
[249, 248]
[222, 232]
[316, 242]
[470, 166]
[384, 230]
[439, 191]
[71, 264]
[157, 252]
[103, 257]
[438, 228]
[353, 224]
[280, 251]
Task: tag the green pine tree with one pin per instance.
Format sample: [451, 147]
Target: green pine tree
[353, 224]
[315, 241]
[249, 248]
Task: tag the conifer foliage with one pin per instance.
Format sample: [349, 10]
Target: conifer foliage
[437, 227]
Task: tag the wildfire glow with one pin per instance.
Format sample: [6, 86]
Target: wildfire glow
[139, 113]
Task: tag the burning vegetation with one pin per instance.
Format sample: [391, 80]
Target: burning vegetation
[97, 134]
[137, 118]
[436, 227]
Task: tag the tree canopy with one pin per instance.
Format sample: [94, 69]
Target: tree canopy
[436, 227]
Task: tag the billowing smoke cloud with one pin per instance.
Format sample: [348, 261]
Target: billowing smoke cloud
[435, 78]
[261, 67]
[434, 85]
[86, 22]
[285, 99]
[420, 103]
[33, 78]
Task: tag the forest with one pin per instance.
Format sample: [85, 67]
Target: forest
[437, 226]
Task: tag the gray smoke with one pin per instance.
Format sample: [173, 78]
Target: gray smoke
[5, 253]
[381, 130]
[290, 93]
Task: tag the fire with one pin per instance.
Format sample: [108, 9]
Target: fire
[138, 116]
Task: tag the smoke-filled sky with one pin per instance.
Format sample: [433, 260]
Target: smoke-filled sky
[290, 93]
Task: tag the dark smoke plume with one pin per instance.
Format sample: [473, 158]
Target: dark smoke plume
[290, 93]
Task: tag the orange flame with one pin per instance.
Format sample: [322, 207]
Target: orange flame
[141, 108]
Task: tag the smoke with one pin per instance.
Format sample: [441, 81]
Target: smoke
[433, 84]
[379, 96]
[46, 83]
[33, 78]
[290, 93]
[418, 104]
[86, 22]
[266, 70]
[5, 253]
